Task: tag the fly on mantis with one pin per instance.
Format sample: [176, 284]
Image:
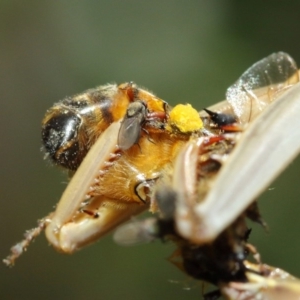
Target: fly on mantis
[129, 151]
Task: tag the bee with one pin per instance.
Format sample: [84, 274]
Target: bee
[128, 150]
[73, 125]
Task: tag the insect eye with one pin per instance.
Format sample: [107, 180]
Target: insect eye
[59, 136]
[137, 108]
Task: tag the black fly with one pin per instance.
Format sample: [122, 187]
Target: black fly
[131, 126]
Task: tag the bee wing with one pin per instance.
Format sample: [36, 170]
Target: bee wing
[129, 133]
[136, 232]
[268, 145]
[261, 84]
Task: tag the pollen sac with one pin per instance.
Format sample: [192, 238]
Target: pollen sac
[185, 119]
[59, 136]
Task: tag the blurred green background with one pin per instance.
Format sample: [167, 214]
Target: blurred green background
[184, 51]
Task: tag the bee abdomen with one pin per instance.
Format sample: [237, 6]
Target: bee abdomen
[60, 138]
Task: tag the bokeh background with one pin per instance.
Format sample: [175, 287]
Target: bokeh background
[185, 51]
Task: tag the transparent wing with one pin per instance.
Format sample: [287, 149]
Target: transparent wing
[261, 84]
[136, 232]
[129, 133]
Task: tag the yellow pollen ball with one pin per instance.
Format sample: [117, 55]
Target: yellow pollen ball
[185, 118]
